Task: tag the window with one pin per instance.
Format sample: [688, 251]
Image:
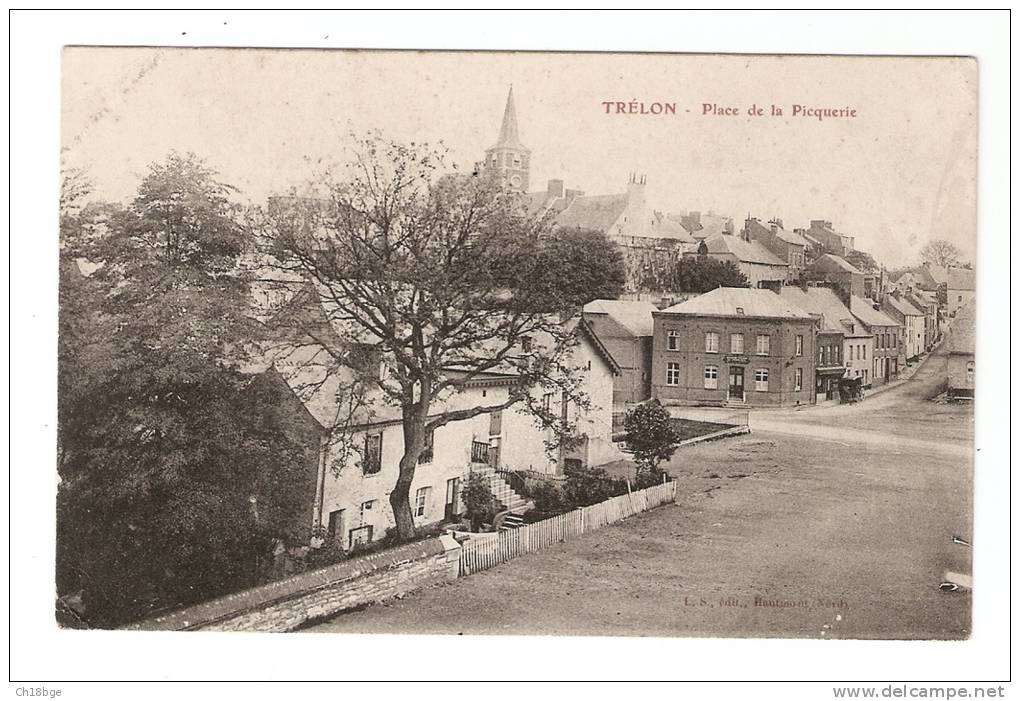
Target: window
[761, 380]
[864, 351]
[372, 461]
[547, 402]
[736, 343]
[366, 507]
[673, 340]
[496, 423]
[526, 344]
[970, 370]
[798, 379]
[763, 344]
[822, 350]
[421, 498]
[672, 374]
[360, 536]
[799, 345]
[711, 342]
[711, 377]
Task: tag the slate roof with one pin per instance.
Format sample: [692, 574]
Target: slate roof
[744, 251]
[725, 301]
[634, 316]
[904, 307]
[832, 263]
[824, 302]
[961, 333]
[863, 310]
[596, 212]
[960, 279]
[789, 236]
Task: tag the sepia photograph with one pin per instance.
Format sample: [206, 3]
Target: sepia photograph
[516, 343]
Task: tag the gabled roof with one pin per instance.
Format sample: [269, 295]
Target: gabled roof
[739, 302]
[664, 227]
[596, 212]
[960, 279]
[863, 310]
[961, 333]
[791, 237]
[743, 251]
[903, 306]
[831, 263]
[634, 316]
[824, 302]
[588, 332]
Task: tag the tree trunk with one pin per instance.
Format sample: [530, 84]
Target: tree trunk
[414, 442]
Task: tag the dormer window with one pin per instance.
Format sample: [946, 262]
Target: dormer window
[740, 310]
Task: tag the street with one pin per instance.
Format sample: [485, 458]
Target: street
[826, 522]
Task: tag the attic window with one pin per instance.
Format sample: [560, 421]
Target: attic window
[740, 310]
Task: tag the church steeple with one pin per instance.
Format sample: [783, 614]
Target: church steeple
[509, 157]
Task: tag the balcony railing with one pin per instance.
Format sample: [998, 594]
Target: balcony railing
[479, 452]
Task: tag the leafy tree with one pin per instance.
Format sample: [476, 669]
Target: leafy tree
[441, 277]
[941, 253]
[478, 500]
[169, 453]
[582, 265]
[862, 260]
[695, 274]
[651, 437]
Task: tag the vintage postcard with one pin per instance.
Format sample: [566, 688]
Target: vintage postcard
[517, 343]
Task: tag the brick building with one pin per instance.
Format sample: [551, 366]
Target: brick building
[785, 245]
[734, 346]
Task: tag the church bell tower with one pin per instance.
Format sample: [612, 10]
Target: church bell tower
[509, 157]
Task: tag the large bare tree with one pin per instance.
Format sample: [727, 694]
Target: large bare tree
[941, 253]
[442, 276]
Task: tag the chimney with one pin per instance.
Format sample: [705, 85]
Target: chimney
[554, 189]
[695, 218]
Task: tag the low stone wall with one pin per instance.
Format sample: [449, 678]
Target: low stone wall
[287, 604]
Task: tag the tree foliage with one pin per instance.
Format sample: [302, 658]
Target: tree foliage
[169, 452]
[652, 439]
[442, 277]
[698, 274]
[479, 501]
[941, 253]
[581, 265]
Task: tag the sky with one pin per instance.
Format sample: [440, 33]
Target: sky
[899, 173]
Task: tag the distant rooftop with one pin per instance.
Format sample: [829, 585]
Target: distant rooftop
[634, 316]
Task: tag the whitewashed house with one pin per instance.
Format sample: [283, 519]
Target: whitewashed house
[360, 455]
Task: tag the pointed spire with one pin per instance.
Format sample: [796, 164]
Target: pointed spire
[508, 135]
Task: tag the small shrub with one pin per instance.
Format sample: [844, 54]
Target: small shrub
[478, 501]
[548, 498]
[652, 438]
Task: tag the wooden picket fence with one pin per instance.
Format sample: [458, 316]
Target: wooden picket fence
[482, 553]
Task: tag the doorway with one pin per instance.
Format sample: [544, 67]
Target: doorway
[736, 393]
[452, 498]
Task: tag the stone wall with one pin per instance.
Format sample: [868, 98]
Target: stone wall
[287, 604]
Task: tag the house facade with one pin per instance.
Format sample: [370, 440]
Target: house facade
[912, 320]
[831, 241]
[734, 346]
[834, 269]
[885, 364]
[626, 329]
[756, 262]
[959, 289]
[785, 245]
[359, 457]
[960, 366]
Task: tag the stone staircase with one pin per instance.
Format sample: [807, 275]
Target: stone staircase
[504, 494]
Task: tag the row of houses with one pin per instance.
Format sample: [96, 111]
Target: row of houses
[785, 346]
